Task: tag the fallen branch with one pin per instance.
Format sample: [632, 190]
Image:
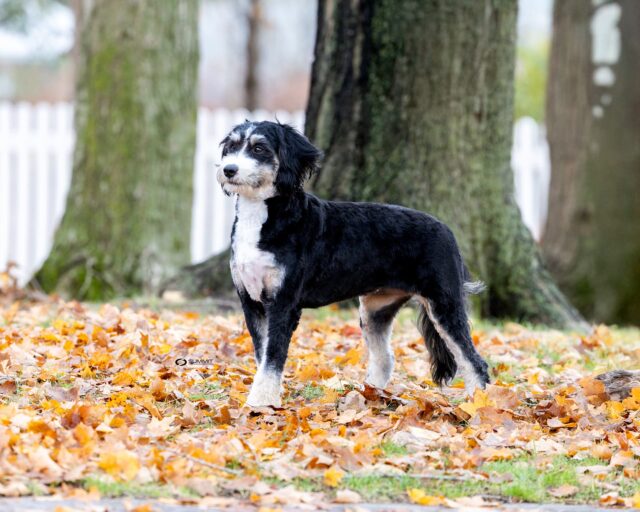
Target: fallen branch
[427, 477]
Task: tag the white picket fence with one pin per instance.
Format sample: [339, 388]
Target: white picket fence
[36, 145]
[531, 166]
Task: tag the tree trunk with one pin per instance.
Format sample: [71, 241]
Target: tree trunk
[128, 216]
[413, 103]
[209, 277]
[253, 51]
[592, 237]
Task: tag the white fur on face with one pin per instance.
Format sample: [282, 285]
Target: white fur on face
[254, 179]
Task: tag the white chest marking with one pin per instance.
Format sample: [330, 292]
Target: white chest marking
[253, 269]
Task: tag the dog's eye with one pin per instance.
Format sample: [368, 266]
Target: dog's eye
[258, 150]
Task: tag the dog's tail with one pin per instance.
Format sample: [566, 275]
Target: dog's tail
[472, 287]
[443, 364]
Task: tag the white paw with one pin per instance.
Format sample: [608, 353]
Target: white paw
[265, 391]
[379, 369]
[471, 382]
[379, 376]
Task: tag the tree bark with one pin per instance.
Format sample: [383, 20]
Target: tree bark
[209, 277]
[412, 102]
[127, 221]
[251, 88]
[592, 237]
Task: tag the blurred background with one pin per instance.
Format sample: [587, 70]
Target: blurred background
[254, 59]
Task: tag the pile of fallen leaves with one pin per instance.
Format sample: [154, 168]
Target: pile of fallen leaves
[133, 395]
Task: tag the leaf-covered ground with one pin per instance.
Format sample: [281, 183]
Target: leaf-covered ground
[112, 401]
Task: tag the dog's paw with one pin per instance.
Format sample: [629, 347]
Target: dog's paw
[379, 372]
[258, 398]
[265, 391]
[472, 382]
[377, 381]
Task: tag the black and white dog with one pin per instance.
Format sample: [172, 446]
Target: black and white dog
[291, 250]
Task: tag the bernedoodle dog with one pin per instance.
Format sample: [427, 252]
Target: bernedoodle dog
[291, 250]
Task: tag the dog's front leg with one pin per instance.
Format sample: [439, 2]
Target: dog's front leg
[267, 383]
[256, 319]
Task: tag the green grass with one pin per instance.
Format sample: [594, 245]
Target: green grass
[532, 484]
[111, 489]
[524, 482]
[36, 488]
[380, 488]
[312, 392]
[233, 464]
[392, 449]
[205, 424]
[207, 391]
[63, 383]
[510, 375]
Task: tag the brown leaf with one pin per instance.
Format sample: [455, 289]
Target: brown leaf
[347, 496]
[564, 491]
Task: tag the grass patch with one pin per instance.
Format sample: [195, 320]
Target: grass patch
[111, 489]
[392, 449]
[36, 489]
[509, 374]
[380, 488]
[205, 423]
[524, 482]
[312, 392]
[233, 464]
[207, 391]
[532, 484]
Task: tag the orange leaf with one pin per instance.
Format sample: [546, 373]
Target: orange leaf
[419, 497]
[332, 476]
[122, 464]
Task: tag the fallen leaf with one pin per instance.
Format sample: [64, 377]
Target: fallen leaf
[564, 491]
[347, 496]
[122, 464]
[333, 476]
[419, 497]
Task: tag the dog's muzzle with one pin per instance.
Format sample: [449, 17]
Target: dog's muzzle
[230, 170]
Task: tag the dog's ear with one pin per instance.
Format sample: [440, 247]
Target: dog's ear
[298, 159]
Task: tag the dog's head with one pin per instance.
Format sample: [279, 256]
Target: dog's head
[261, 160]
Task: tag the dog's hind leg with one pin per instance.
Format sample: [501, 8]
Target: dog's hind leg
[445, 326]
[377, 311]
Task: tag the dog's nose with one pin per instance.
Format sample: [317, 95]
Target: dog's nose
[230, 170]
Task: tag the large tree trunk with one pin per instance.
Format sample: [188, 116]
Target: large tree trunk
[413, 103]
[128, 216]
[592, 238]
[251, 89]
